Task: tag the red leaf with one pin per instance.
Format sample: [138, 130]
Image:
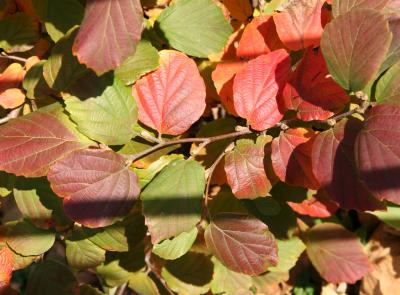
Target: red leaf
[335, 169]
[317, 206]
[30, 144]
[97, 186]
[109, 33]
[223, 77]
[256, 86]
[291, 157]
[6, 266]
[318, 95]
[378, 152]
[245, 171]
[299, 25]
[242, 243]
[171, 98]
[259, 37]
[336, 253]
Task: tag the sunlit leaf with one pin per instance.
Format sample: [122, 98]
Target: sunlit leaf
[378, 154]
[318, 206]
[239, 9]
[172, 201]
[299, 24]
[335, 168]
[118, 30]
[336, 253]
[108, 117]
[245, 171]
[96, 186]
[242, 243]
[144, 60]
[352, 58]
[256, 86]
[388, 87]
[391, 216]
[195, 27]
[171, 98]
[343, 6]
[29, 144]
[34, 83]
[6, 266]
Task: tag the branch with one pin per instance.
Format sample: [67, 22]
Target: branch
[203, 140]
[365, 104]
[11, 115]
[12, 57]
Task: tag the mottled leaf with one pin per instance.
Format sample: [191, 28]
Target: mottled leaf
[348, 45]
[245, 171]
[299, 24]
[144, 60]
[242, 243]
[29, 144]
[256, 86]
[96, 186]
[335, 168]
[378, 154]
[195, 27]
[172, 201]
[117, 30]
[108, 117]
[171, 98]
[336, 253]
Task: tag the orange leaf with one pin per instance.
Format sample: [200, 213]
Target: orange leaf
[11, 77]
[6, 266]
[239, 9]
[12, 98]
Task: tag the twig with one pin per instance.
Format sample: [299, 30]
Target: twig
[365, 104]
[164, 144]
[13, 57]
[11, 115]
[121, 289]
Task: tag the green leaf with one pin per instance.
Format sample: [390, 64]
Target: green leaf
[17, 32]
[108, 118]
[147, 174]
[388, 87]
[59, 16]
[62, 67]
[28, 240]
[273, 5]
[172, 201]
[391, 216]
[142, 284]
[176, 247]
[34, 83]
[188, 275]
[7, 182]
[349, 47]
[225, 201]
[226, 281]
[51, 277]
[195, 27]
[81, 252]
[144, 60]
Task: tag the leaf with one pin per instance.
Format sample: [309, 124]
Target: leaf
[108, 117]
[256, 86]
[335, 168]
[391, 216]
[34, 83]
[144, 60]
[142, 283]
[119, 30]
[96, 186]
[28, 240]
[57, 24]
[6, 266]
[176, 247]
[62, 68]
[12, 98]
[317, 206]
[17, 32]
[51, 277]
[82, 253]
[289, 252]
[343, 6]
[259, 37]
[172, 201]
[377, 153]
[291, 157]
[171, 98]
[11, 77]
[352, 58]
[316, 96]
[299, 24]
[7, 182]
[336, 253]
[227, 281]
[393, 54]
[388, 87]
[242, 243]
[195, 27]
[30, 144]
[190, 274]
[245, 171]
[239, 9]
